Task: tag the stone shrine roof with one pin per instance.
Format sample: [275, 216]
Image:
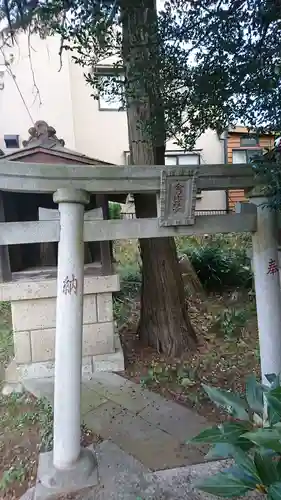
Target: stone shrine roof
[43, 139]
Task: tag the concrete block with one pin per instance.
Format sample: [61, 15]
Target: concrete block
[109, 362]
[34, 314]
[98, 339]
[22, 347]
[43, 344]
[12, 373]
[37, 370]
[8, 389]
[46, 369]
[37, 314]
[41, 388]
[90, 309]
[87, 367]
[29, 285]
[104, 307]
[52, 482]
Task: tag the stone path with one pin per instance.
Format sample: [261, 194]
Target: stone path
[143, 424]
[122, 477]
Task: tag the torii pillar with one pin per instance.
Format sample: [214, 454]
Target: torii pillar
[267, 286]
[68, 468]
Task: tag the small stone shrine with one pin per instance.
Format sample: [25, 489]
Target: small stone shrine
[30, 274]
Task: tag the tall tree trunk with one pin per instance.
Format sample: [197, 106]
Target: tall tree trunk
[164, 322]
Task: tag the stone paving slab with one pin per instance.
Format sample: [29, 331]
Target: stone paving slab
[90, 400]
[121, 477]
[174, 419]
[140, 422]
[41, 387]
[45, 388]
[120, 390]
[152, 446]
[101, 420]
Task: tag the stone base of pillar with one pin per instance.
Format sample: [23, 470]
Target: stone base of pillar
[51, 481]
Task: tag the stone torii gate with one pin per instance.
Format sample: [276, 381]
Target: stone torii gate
[69, 467]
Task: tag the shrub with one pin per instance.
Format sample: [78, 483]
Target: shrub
[219, 267]
[254, 443]
[114, 210]
[124, 300]
[231, 321]
[130, 281]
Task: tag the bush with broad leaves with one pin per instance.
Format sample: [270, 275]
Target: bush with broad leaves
[251, 437]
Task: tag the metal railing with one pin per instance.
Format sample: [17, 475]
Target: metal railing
[130, 215]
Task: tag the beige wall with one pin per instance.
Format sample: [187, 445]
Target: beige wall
[66, 104]
[101, 134]
[211, 150]
[54, 87]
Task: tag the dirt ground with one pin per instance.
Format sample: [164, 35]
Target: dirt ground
[25, 430]
[26, 426]
[218, 361]
[227, 352]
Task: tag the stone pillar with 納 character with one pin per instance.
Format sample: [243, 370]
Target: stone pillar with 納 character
[68, 467]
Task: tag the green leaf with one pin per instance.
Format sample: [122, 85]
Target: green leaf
[274, 492]
[271, 377]
[210, 435]
[274, 380]
[273, 399]
[231, 402]
[224, 484]
[245, 462]
[254, 394]
[244, 444]
[267, 438]
[266, 467]
[228, 432]
[220, 450]
[186, 382]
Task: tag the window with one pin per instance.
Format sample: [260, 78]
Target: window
[11, 141]
[249, 141]
[245, 155]
[191, 159]
[182, 159]
[111, 93]
[173, 159]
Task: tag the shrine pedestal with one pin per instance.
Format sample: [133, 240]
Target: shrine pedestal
[33, 302]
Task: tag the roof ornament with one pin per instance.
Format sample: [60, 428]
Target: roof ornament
[42, 134]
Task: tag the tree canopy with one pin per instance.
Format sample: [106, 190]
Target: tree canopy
[236, 52]
[219, 60]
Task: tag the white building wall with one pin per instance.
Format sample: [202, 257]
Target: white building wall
[53, 85]
[100, 134]
[212, 153]
[67, 105]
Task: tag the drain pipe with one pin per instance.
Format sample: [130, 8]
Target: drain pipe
[225, 157]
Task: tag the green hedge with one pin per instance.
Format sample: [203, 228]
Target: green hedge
[114, 210]
[219, 267]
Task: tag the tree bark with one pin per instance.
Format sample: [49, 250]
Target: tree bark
[164, 322]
